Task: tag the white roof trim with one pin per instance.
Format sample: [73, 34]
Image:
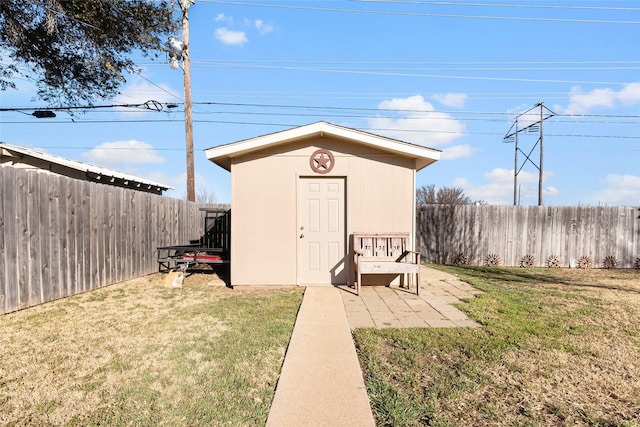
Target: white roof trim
[82, 167]
[223, 154]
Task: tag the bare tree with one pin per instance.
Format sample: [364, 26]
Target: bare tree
[453, 196]
[206, 196]
[427, 195]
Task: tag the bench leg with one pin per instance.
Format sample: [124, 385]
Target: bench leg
[418, 282]
[358, 283]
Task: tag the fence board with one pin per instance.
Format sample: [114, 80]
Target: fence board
[62, 235]
[3, 255]
[94, 221]
[33, 216]
[512, 232]
[45, 290]
[84, 230]
[133, 207]
[102, 235]
[22, 238]
[73, 274]
[9, 189]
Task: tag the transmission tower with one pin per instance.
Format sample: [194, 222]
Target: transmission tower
[530, 122]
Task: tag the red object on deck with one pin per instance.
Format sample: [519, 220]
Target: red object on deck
[203, 257]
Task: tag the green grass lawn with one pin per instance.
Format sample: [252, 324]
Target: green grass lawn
[137, 353]
[556, 347]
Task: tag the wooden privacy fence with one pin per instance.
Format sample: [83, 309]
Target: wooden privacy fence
[511, 232]
[61, 236]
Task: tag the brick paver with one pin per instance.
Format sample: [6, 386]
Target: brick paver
[393, 307]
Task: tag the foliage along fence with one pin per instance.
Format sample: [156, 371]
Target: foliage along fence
[61, 236]
[511, 232]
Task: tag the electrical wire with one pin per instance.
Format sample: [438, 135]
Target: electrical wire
[422, 14]
[289, 125]
[425, 66]
[528, 6]
[318, 108]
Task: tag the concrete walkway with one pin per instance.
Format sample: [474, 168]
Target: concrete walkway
[321, 381]
[393, 307]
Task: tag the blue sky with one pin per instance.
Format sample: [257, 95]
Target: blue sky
[448, 75]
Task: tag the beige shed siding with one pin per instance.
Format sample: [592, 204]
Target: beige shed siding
[263, 223]
[379, 192]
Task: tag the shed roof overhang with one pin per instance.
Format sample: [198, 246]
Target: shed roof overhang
[224, 154]
[16, 154]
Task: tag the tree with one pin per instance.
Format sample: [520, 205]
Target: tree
[204, 196]
[78, 51]
[427, 195]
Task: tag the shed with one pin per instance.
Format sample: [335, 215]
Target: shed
[30, 158]
[298, 195]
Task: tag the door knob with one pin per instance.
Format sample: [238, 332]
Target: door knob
[301, 236]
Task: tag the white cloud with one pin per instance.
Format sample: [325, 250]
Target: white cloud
[418, 122]
[221, 17]
[457, 151]
[235, 32]
[498, 189]
[584, 102]
[132, 151]
[262, 27]
[494, 193]
[630, 94]
[550, 192]
[451, 99]
[231, 37]
[618, 190]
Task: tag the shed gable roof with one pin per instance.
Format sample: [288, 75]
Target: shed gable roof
[223, 154]
[93, 173]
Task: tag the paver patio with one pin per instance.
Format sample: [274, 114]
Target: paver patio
[394, 307]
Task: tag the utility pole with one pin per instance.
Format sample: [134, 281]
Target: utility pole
[541, 155]
[515, 167]
[188, 121]
[512, 135]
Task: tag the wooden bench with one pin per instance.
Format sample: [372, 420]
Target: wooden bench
[384, 254]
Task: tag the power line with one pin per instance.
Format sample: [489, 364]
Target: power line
[159, 106]
[430, 65]
[423, 14]
[289, 125]
[419, 75]
[528, 6]
[147, 105]
[335, 111]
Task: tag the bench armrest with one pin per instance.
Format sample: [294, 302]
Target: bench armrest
[411, 256]
[356, 254]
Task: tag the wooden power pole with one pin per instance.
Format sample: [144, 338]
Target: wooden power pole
[188, 121]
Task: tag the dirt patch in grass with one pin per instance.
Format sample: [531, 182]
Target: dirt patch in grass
[138, 353]
[557, 347]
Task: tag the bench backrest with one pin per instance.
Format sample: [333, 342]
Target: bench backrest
[383, 246]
